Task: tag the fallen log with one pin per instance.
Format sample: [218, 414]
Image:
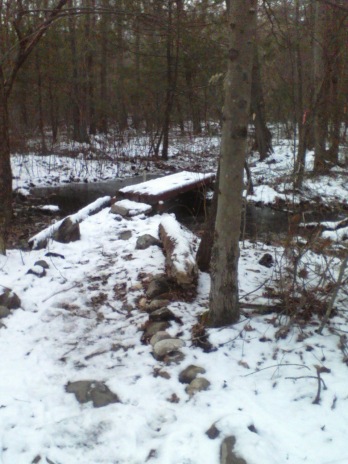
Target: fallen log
[40, 240]
[178, 247]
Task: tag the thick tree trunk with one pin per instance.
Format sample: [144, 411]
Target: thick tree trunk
[5, 169]
[224, 307]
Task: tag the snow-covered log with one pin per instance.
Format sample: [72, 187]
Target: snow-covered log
[180, 254]
[40, 240]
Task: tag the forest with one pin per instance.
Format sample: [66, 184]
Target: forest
[136, 325]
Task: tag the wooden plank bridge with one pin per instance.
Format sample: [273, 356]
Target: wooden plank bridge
[157, 191]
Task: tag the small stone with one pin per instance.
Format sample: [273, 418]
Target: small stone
[9, 299]
[159, 336]
[119, 210]
[147, 240]
[162, 314]
[166, 346]
[156, 304]
[125, 235]
[266, 260]
[213, 432]
[4, 312]
[67, 232]
[142, 303]
[190, 373]
[152, 328]
[227, 455]
[90, 390]
[175, 357]
[198, 384]
[38, 271]
[42, 263]
[158, 286]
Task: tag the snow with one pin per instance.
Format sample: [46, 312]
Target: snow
[77, 217]
[50, 208]
[183, 239]
[134, 207]
[65, 331]
[75, 323]
[167, 183]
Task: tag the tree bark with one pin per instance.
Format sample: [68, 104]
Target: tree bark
[262, 133]
[224, 306]
[5, 168]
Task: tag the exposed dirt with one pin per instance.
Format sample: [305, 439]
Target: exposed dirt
[27, 221]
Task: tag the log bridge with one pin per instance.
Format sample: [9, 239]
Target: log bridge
[157, 191]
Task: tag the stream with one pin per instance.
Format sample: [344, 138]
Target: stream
[260, 222]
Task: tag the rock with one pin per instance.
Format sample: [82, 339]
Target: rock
[227, 455]
[198, 384]
[90, 390]
[147, 240]
[159, 336]
[152, 328]
[118, 209]
[67, 232]
[130, 208]
[162, 314]
[266, 260]
[156, 304]
[142, 303]
[38, 271]
[42, 263]
[4, 311]
[9, 299]
[213, 432]
[166, 346]
[158, 286]
[190, 373]
[125, 235]
[175, 357]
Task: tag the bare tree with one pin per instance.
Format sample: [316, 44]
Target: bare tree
[11, 60]
[224, 307]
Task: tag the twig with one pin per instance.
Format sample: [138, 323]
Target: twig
[277, 366]
[334, 295]
[57, 293]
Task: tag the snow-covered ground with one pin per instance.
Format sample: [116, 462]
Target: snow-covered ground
[74, 324]
[272, 178]
[83, 320]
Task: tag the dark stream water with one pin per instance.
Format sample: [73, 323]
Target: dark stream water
[260, 222]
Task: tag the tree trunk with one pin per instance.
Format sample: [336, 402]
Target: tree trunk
[262, 133]
[321, 78]
[80, 133]
[40, 106]
[103, 106]
[224, 307]
[203, 257]
[5, 168]
[120, 89]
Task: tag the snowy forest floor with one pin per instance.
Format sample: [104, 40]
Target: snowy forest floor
[83, 320]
